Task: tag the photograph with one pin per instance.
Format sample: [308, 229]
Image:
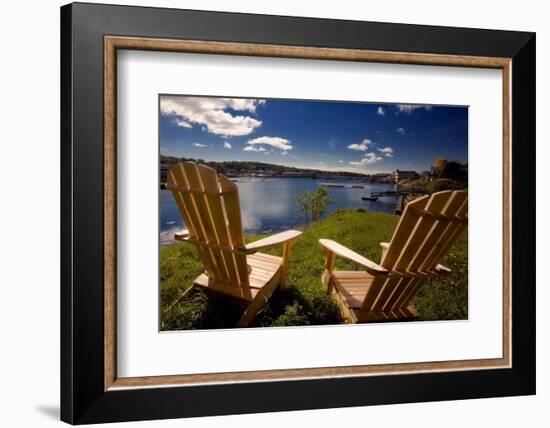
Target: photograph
[262, 211]
[283, 212]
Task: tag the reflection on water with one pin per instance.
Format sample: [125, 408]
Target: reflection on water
[269, 205]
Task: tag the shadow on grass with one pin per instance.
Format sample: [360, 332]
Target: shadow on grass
[200, 309]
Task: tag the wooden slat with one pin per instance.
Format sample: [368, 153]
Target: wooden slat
[387, 289]
[234, 224]
[187, 209]
[353, 286]
[371, 267]
[202, 218]
[443, 233]
[209, 181]
[327, 278]
[352, 300]
[422, 237]
[409, 295]
[402, 288]
[350, 274]
[447, 241]
[422, 230]
[401, 234]
[405, 292]
[270, 241]
[261, 273]
[265, 258]
[259, 301]
[395, 289]
[268, 257]
[212, 284]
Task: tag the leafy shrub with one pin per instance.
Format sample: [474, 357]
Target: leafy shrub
[313, 204]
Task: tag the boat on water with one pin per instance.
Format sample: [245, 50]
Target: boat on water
[370, 198]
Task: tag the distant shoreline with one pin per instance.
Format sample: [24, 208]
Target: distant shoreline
[247, 178]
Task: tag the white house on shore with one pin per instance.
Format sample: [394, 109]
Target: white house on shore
[399, 175]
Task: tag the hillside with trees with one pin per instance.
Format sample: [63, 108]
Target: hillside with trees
[249, 168]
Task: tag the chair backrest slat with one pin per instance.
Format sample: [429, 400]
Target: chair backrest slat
[395, 293]
[445, 243]
[402, 233]
[209, 205]
[234, 225]
[423, 230]
[373, 292]
[214, 202]
[203, 217]
[186, 205]
[444, 231]
[403, 298]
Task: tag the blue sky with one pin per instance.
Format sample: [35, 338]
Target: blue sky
[326, 135]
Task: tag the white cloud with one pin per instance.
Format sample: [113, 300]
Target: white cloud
[410, 108]
[284, 153]
[253, 149]
[199, 145]
[226, 145]
[387, 151]
[368, 158]
[211, 113]
[362, 146]
[380, 111]
[401, 131]
[274, 142]
[182, 123]
[340, 161]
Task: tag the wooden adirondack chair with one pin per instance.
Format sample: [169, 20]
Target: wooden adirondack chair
[383, 292]
[209, 204]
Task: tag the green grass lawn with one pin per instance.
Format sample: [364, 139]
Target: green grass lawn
[303, 301]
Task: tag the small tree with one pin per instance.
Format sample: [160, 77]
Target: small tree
[313, 204]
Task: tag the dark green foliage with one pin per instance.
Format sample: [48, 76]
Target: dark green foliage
[439, 184]
[452, 170]
[304, 302]
[244, 167]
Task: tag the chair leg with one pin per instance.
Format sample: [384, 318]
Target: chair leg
[250, 312]
[287, 248]
[327, 273]
[179, 299]
[259, 302]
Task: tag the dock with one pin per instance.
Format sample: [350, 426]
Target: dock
[349, 186]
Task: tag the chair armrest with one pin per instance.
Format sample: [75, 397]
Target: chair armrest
[442, 270]
[340, 250]
[270, 241]
[182, 235]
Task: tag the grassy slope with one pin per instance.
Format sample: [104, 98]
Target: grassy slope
[304, 302]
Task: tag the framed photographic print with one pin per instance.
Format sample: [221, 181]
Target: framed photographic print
[265, 213]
